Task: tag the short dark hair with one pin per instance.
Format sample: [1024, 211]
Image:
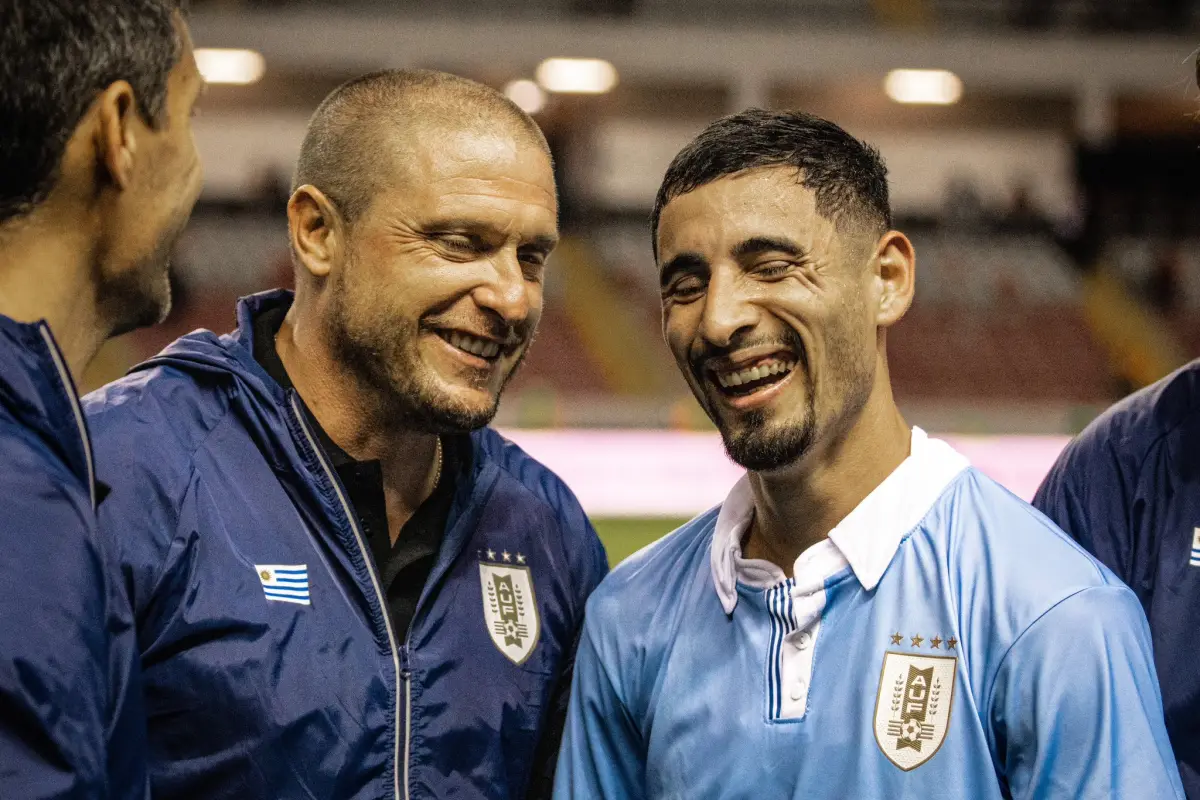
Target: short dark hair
[56, 56]
[339, 155]
[847, 175]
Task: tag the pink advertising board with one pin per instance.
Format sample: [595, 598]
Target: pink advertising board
[643, 473]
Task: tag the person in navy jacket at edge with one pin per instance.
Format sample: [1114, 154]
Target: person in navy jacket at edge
[98, 175]
[1128, 490]
[345, 584]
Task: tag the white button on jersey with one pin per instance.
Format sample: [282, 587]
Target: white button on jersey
[799, 622]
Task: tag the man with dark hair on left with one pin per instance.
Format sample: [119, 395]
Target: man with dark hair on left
[98, 175]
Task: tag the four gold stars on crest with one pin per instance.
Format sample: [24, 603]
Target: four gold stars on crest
[935, 643]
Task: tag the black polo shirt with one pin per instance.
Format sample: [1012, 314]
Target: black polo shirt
[403, 567]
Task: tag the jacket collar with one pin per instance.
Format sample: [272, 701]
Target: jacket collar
[868, 538]
[37, 390]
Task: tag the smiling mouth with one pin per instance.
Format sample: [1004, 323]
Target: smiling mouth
[742, 380]
[487, 349]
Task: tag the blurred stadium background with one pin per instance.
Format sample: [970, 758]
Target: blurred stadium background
[1043, 157]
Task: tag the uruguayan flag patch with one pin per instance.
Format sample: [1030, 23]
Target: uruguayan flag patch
[287, 583]
[1195, 559]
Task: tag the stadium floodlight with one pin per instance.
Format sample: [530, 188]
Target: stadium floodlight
[228, 65]
[528, 96]
[577, 75]
[936, 87]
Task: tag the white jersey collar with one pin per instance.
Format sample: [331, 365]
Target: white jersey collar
[867, 538]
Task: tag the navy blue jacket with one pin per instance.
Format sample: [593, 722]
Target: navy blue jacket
[71, 721]
[217, 482]
[1128, 490]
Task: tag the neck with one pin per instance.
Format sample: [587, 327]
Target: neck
[47, 272]
[797, 506]
[353, 416]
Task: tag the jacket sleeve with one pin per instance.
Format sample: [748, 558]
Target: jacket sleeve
[602, 754]
[1076, 708]
[148, 474]
[1091, 493]
[55, 701]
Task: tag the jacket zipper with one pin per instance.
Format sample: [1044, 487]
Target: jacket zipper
[69, 387]
[402, 676]
[407, 677]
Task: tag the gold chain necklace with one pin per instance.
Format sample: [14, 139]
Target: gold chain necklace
[437, 476]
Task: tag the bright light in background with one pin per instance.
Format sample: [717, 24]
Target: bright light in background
[223, 65]
[528, 96]
[577, 75]
[937, 87]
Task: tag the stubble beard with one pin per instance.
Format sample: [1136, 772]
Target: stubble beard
[382, 356]
[139, 297]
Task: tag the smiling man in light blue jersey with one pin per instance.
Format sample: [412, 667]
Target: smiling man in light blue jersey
[866, 615]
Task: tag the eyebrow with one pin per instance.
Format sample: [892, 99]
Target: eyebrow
[756, 245]
[684, 262]
[542, 243]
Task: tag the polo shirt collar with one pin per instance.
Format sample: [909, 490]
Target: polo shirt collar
[867, 538]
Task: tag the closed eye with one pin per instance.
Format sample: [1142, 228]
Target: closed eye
[533, 266]
[461, 246]
[686, 289]
[458, 241]
[533, 257]
[775, 268]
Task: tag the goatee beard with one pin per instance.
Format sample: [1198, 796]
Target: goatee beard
[757, 449]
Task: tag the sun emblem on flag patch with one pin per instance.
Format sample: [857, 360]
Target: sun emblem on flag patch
[912, 708]
[510, 608]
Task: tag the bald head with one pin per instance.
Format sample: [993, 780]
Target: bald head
[358, 137]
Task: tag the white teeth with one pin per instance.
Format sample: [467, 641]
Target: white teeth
[478, 347]
[753, 373]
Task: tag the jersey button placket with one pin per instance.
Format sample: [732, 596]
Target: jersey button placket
[797, 655]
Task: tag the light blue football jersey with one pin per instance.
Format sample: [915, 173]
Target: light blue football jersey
[945, 641]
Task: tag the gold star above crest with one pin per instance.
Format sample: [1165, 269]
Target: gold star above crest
[951, 643]
[916, 641]
[896, 638]
[935, 642]
[507, 556]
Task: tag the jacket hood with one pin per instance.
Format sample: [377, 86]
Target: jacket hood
[231, 354]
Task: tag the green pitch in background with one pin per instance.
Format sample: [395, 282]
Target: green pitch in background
[624, 537]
